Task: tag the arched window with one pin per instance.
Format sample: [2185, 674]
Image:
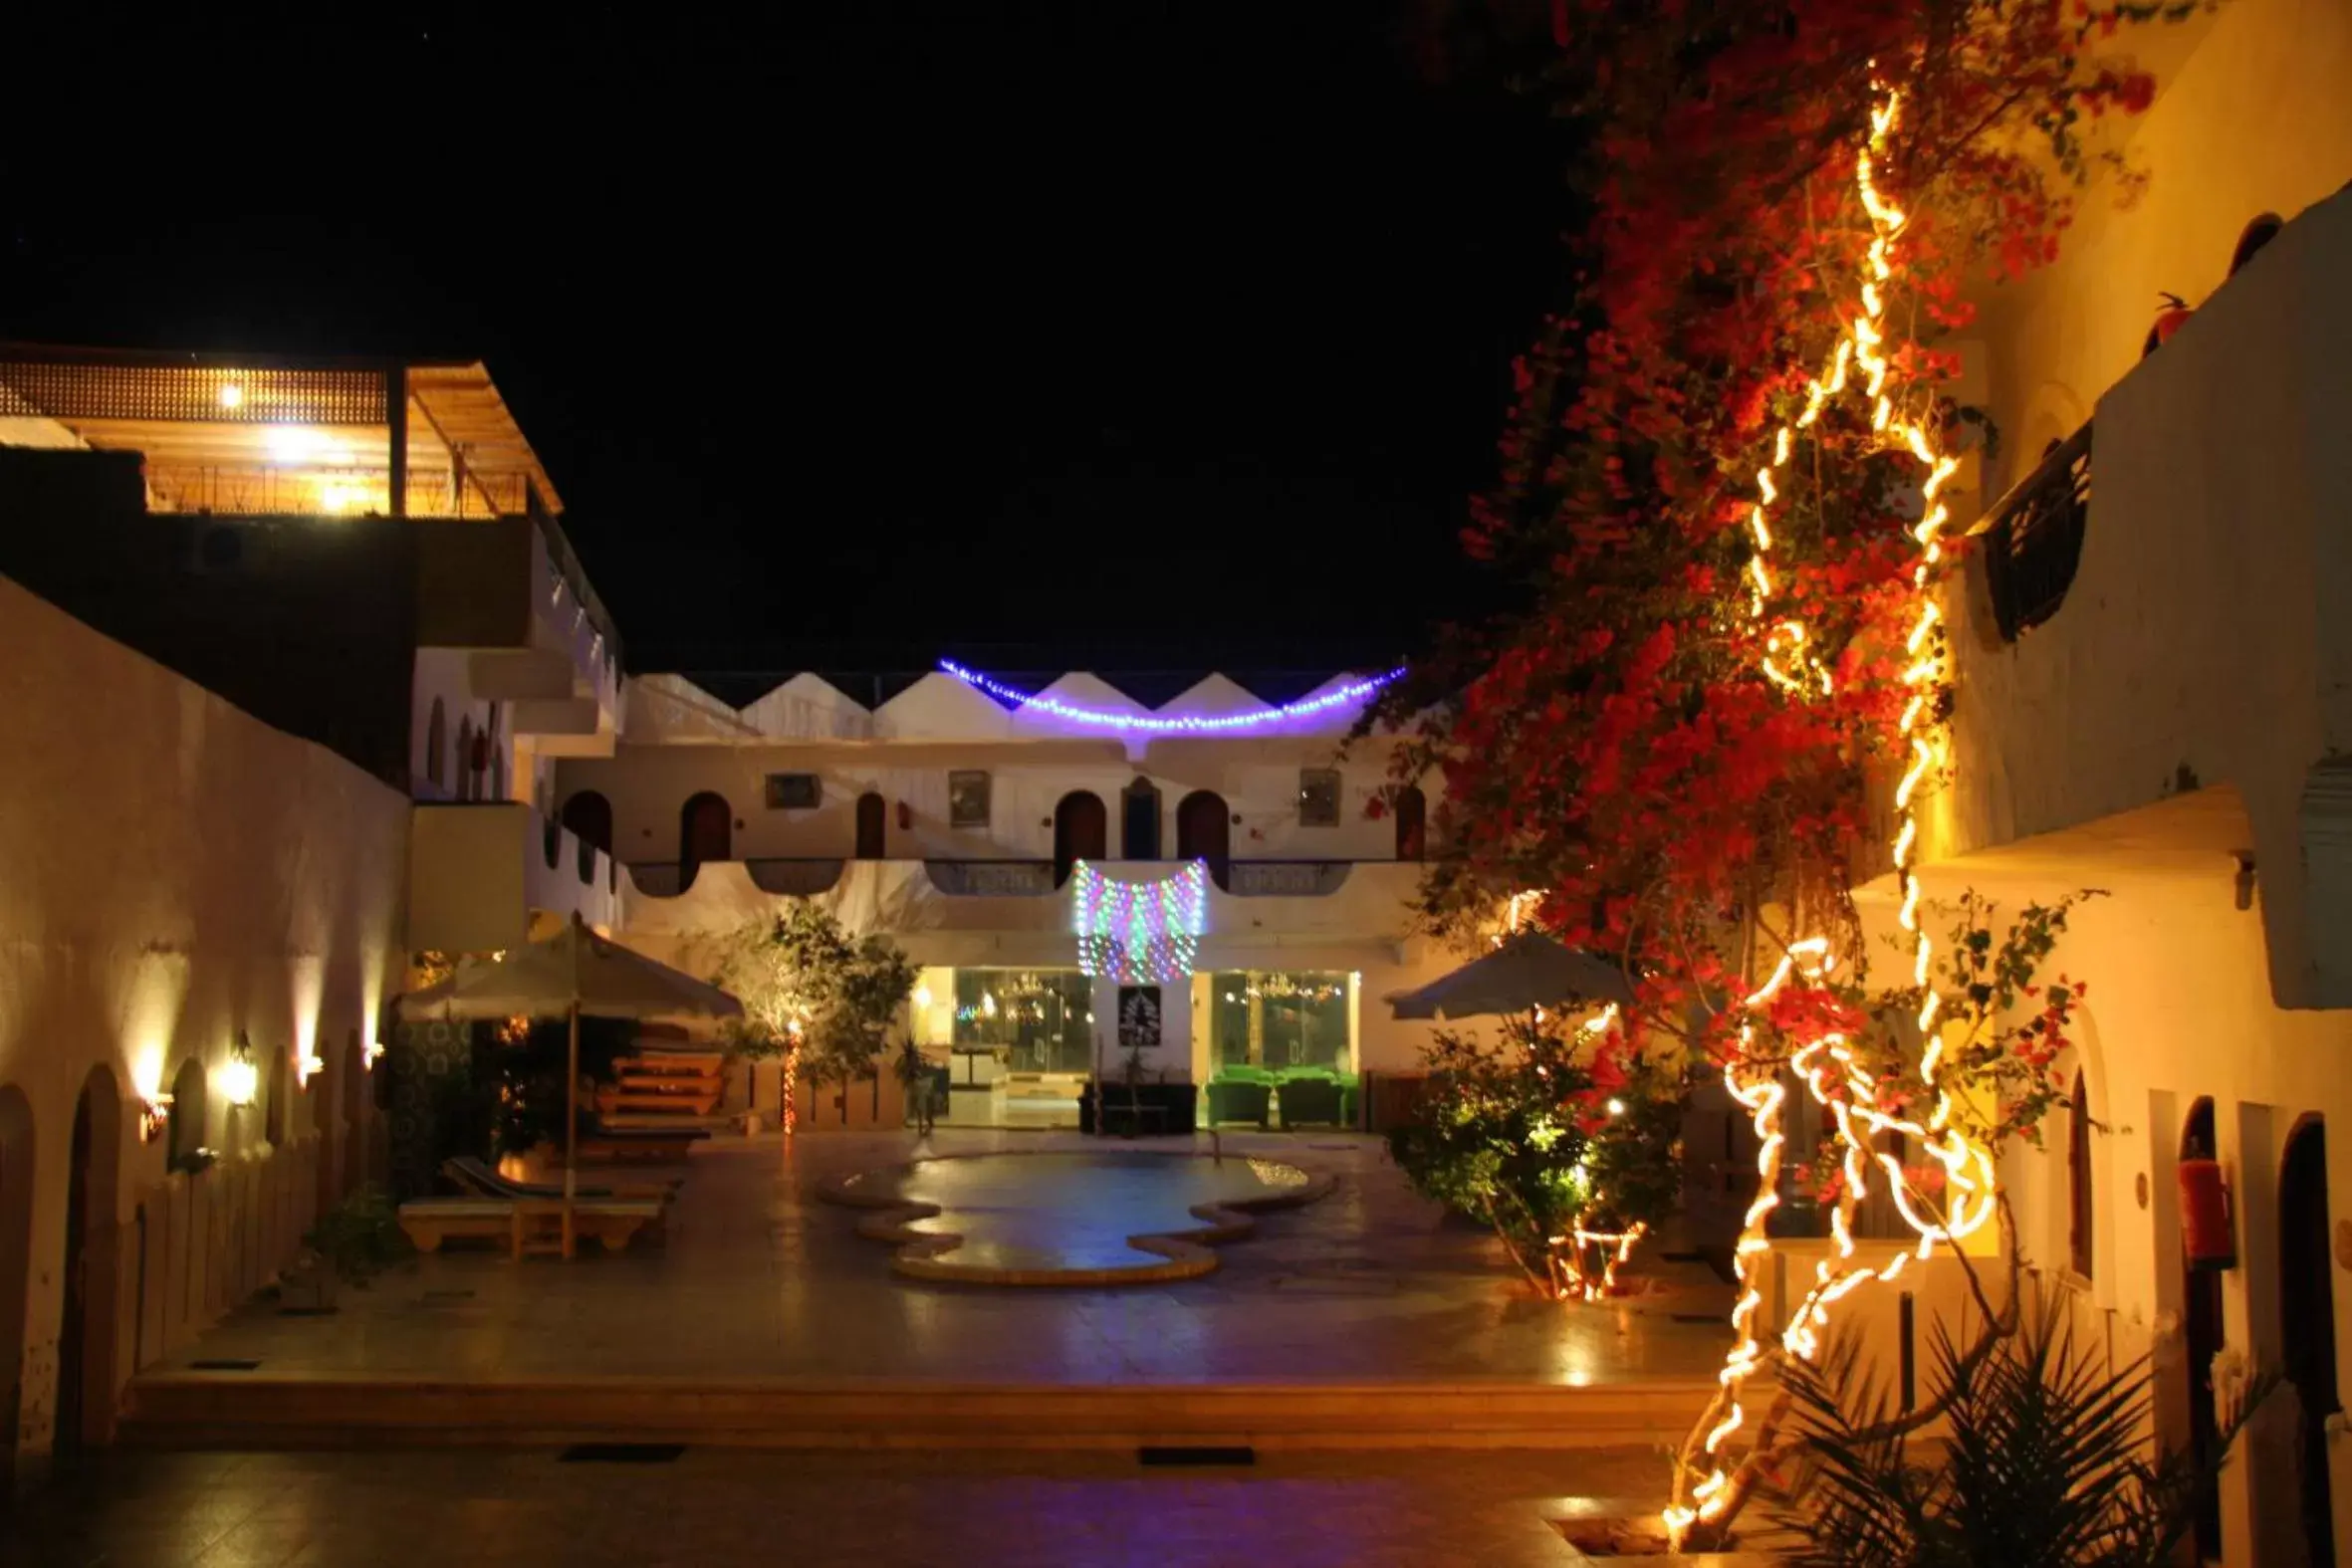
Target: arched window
[436, 743]
[1412, 823]
[588, 816]
[2079, 1194]
[1081, 831]
[705, 832]
[2258, 234]
[497, 750]
[872, 827]
[1203, 831]
[1140, 821]
[187, 1110]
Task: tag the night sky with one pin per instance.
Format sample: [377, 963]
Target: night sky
[1125, 334]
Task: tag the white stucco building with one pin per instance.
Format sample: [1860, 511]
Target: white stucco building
[953, 819]
[2151, 700]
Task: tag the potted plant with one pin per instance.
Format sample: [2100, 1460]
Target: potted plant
[351, 1244]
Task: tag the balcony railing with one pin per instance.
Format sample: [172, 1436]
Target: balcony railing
[2033, 542]
[991, 878]
[799, 878]
[1286, 878]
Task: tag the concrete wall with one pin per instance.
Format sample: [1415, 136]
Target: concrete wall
[479, 875]
[177, 873]
[2178, 1009]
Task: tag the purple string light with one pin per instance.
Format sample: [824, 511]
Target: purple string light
[1352, 692]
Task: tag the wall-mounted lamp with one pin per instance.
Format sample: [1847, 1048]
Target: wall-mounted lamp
[154, 1115]
[309, 1066]
[373, 1054]
[240, 1078]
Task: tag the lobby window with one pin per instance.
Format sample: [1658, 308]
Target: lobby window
[967, 798]
[1318, 797]
[795, 792]
[1278, 1018]
[1032, 1021]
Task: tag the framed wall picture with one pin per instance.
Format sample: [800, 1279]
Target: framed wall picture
[795, 792]
[1139, 1018]
[967, 798]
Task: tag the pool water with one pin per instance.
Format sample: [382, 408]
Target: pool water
[1074, 1214]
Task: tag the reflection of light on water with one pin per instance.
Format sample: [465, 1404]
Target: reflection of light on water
[1274, 1174]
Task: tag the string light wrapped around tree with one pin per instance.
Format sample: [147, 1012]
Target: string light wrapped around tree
[1139, 933]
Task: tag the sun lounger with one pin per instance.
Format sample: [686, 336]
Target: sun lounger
[527, 1224]
[479, 1179]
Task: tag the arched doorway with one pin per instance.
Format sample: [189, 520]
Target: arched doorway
[2081, 1233]
[16, 1267]
[2200, 1294]
[588, 816]
[1412, 823]
[1140, 821]
[1203, 831]
[2307, 1322]
[872, 827]
[1081, 831]
[85, 1337]
[706, 832]
[436, 747]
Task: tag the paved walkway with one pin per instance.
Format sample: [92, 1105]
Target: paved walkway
[709, 1509]
[762, 1279]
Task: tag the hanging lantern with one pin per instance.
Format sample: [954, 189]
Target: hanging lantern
[2208, 1233]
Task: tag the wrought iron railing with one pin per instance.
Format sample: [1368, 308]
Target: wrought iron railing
[2033, 541]
[1287, 878]
[991, 878]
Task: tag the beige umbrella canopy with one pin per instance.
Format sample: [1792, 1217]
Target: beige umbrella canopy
[1527, 972]
[571, 975]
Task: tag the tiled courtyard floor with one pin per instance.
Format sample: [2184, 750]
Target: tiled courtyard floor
[525, 1510]
[761, 1278]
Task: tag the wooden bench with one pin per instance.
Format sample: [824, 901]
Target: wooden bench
[527, 1225]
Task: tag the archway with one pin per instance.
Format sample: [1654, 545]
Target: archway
[16, 1267]
[437, 746]
[1203, 831]
[1412, 823]
[588, 816]
[189, 1110]
[2082, 1221]
[872, 827]
[2200, 1294]
[1140, 821]
[86, 1336]
[706, 831]
[2307, 1322]
[1081, 831]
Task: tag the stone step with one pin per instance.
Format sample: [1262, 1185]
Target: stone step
[202, 1410]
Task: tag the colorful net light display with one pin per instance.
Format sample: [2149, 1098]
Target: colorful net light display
[1139, 933]
[1170, 724]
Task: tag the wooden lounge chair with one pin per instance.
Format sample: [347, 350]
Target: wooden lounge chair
[527, 1224]
[479, 1179]
[649, 1145]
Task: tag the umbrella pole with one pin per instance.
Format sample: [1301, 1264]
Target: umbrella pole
[570, 1127]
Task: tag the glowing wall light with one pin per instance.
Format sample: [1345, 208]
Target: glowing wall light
[240, 1076]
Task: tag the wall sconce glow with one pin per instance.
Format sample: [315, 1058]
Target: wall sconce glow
[922, 997]
[146, 1081]
[372, 1053]
[232, 396]
[240, 1078]
[310, 1065]
[338, 497]
[1170, 724]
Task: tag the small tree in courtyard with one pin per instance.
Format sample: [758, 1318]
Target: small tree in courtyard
[813, 994]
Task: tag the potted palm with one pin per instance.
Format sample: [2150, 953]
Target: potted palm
[350, 1244]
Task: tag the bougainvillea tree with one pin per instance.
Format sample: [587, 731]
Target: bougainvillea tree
[1721, 480]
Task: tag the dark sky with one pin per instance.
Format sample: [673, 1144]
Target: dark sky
[1120, 333]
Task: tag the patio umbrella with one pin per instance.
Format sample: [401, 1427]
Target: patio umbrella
[1529, 970]
[572, 974]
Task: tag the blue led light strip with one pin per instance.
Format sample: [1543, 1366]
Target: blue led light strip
[1352, 692]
